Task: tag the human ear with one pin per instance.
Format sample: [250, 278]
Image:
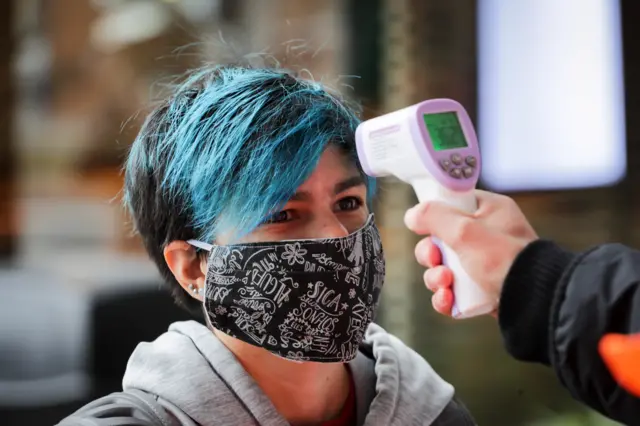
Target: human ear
[186, 266]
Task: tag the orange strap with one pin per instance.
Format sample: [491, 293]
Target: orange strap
[621, 354]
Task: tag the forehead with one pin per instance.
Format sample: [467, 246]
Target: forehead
[334, 166]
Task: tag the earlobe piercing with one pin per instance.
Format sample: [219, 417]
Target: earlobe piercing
[195, 290]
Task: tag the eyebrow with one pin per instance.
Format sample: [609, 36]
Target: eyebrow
[348, 184]
[338, 188]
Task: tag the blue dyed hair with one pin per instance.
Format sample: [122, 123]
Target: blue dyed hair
[229, 147]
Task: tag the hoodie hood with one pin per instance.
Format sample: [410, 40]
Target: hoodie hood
[193, 372]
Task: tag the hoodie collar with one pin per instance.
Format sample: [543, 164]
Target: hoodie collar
[191, 368]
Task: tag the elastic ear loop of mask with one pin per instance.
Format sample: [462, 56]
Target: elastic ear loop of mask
[200, 245]
[205, 247]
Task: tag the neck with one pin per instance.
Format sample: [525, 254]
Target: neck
[303, 393]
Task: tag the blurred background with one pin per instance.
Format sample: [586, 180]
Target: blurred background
[552, 86]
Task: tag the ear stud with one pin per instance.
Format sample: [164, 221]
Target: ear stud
[195, 290]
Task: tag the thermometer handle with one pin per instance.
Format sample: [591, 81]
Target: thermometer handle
[470, 299]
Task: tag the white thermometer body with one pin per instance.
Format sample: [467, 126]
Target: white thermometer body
[433, 147]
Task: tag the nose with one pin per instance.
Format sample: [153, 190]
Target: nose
[329, 226]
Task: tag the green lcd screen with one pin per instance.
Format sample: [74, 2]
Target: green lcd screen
[445, 131]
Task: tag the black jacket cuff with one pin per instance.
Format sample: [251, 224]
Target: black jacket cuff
[527, 295]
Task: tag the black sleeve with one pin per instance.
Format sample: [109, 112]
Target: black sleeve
[455, 414]
[555, 307]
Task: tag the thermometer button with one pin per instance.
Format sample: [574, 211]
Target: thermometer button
[455, 173]
[471, 161]
[467, 172]
[445, 164]
[456, 159]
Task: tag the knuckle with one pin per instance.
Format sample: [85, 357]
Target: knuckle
[503, 199]
[513, 208]
[417, 218]
[424, 206]
[519, 229]
[490, 263]
[505, 204]
[463, 232]
[423, 211]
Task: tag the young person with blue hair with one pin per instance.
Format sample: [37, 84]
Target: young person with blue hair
[245, 188]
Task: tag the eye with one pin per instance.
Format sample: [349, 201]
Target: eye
[349, 203]
[281, 216]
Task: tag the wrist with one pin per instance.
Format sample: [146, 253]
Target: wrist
[526, 299]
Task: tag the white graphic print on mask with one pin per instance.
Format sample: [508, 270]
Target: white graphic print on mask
[304, 300]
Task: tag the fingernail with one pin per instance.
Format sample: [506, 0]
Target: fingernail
[421, 252]
[410, 217]
[439, 297]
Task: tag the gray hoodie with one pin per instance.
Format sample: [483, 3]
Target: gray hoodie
[187, 377]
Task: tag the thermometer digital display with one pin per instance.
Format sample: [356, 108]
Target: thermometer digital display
[445, 131]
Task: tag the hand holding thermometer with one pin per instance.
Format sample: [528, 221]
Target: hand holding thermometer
[433, 147]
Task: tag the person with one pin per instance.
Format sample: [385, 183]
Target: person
[246, 190]
[554, 305]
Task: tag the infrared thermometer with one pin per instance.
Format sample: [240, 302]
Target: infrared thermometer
[433, 147]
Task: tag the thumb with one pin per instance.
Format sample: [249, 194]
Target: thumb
[435, 218]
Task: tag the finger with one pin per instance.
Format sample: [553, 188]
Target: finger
[490, 202]
[438, 278]
[442, 301]
[434, 218]
[427, 253]
[485, 196]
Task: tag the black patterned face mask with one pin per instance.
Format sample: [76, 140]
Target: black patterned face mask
[304, 300]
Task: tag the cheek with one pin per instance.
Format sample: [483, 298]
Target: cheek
[261, 235]
[355, 220]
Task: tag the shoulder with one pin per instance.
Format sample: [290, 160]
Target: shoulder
[400, 371]
[129, 408]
